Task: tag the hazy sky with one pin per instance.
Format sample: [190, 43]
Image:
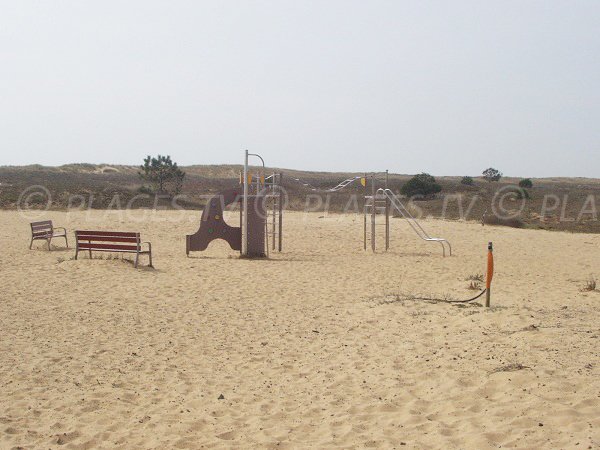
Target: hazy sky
[448, 88]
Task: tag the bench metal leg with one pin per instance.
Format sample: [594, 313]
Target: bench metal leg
[137, 257]
[49, 241]
[66, 241]
[150, 257]
[31, 244]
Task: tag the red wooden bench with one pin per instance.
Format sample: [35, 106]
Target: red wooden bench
[112, 241]
[44, 230]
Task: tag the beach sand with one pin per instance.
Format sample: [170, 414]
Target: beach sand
[317, 347]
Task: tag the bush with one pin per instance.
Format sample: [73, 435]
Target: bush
[526, 183]
[145, 190]
[163, 174]
[492, 174]
[467, 181]
[422, 185]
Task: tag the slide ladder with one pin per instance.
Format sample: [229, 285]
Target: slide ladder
[415, 225]
[374, 205]
[274, 209]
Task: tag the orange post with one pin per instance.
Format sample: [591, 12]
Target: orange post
[490, 274]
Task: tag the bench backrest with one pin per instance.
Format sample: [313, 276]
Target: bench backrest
[107, 240]
[41, 229]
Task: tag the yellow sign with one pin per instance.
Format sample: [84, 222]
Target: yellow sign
[363, 181]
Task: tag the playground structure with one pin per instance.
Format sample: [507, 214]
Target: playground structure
[382, 201]
[261, 214]
[261, 219]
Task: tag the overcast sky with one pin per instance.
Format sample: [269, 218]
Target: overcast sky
[448, 88]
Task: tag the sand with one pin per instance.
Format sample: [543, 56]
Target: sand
[314, 348]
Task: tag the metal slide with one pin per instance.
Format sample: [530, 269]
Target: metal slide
[415, 225]
[336, 188]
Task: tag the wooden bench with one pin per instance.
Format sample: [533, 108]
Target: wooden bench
[112, 241]
[44, 230]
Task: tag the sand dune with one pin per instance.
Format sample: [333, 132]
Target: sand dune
[316, 347]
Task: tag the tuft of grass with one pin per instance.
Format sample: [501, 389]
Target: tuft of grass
[475, 280]
[513, 367]
[475, 277]
[590, 285]
[474, 286]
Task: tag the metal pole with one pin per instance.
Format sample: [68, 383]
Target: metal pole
[365, 215]
[245, 208]
[273, 203]
[279, 188]
[373, 212]
[387, 214]
[490, 275]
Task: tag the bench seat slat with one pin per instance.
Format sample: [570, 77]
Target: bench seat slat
[42, 233]
[86, 238]
[108, 247]
[112, 250]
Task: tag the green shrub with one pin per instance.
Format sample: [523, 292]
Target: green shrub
[492, 174]
[467, 181]
[422, 185]
[526, 183]
[145, 190]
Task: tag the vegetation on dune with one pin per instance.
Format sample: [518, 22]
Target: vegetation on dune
[492, 174]
[526, 183]
[164, 176]
[467, 181]
[422, 185]
[558, 203]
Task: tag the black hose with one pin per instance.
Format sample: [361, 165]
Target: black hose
[442, 300]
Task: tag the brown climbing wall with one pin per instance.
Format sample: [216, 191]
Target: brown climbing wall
[212, 225]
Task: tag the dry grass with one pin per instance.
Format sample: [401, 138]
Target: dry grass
[474, 286]
[515, 222]
[475, 280]
[475, 277]
[590, 285]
